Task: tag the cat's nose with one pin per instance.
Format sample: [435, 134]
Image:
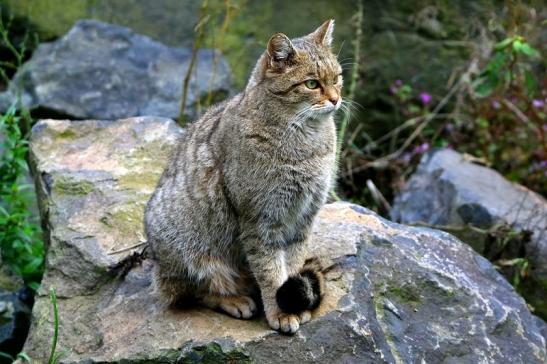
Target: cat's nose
[334, 99]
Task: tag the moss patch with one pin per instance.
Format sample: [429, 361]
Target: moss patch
[213, 353]
[142, 181]
[405, 294]
[71, 186]
[126, 219]
[67, 134]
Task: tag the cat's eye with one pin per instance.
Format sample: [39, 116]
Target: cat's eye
[311, 84]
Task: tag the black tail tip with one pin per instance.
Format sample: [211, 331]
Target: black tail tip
[300, 292]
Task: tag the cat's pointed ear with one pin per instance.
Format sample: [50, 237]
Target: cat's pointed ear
[280, 50]
[323, 34]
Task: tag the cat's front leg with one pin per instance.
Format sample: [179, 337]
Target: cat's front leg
[269, 266]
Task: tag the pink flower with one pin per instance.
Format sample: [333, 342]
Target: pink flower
[425, 98]
[496, 105]
[538, 104]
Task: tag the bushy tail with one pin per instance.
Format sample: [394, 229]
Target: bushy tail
[303, 291]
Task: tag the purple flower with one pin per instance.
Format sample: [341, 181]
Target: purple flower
[538, 166]
[496, 105]
[425, 98]
[398, 82]
[422, 148]
[393, 89]
[538, 104]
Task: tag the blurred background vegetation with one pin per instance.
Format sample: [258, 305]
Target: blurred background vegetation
[469, 75]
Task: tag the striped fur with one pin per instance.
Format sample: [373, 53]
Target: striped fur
[233, 209]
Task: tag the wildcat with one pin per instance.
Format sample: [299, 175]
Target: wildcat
[233, 209]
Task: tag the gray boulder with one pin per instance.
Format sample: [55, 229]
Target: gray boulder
[103, 71]
[451, 192]
[396, 294]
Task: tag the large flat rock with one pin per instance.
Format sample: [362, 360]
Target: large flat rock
[103, 71]
[395, 294]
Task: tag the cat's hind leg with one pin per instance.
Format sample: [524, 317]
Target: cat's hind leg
[176, 290]
[228, 291]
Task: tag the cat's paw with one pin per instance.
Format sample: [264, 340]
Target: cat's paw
[287, 323]
[236, 306]
[304, 316]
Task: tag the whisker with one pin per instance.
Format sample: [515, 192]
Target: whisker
[341, 47]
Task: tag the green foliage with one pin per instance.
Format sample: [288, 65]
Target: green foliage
[497, 114]
[505, 115]
[16, 45]
[506, 67]
[21, 243]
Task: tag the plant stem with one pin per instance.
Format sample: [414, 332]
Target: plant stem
[220, 46]
[353, 77]
[53, 299]
[351, 89]
[203, 19]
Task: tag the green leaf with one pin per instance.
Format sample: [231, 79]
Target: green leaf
[24, 356]
[482, 122]
[527, 50]
[517, 46]
[531, 83]
[496, 63]
[414, 109]
[6, 355]
[32, 266]
[484, 87]
[503, 44]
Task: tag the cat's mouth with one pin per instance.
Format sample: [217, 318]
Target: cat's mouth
[326, 109]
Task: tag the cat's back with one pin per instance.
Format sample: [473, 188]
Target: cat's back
[193, 177]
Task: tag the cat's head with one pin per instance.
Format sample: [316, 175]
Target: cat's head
[302, 73]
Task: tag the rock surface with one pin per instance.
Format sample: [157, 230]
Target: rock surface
[103, 71]
[396, 294]
[449, 191]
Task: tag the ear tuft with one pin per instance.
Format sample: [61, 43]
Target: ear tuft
[280, 50]
[323, 35]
